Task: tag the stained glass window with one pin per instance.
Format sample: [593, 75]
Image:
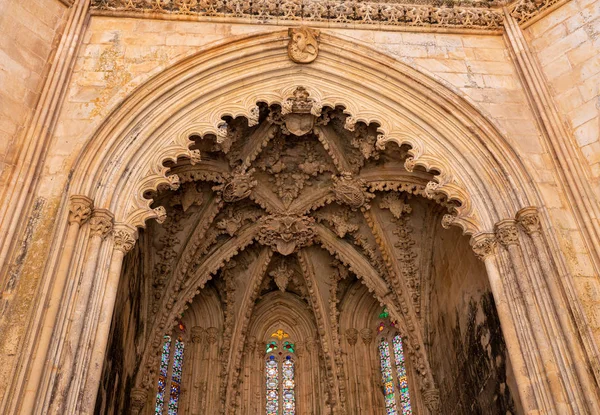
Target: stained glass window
[401, 375]
[387, 378]
[162, 375]
[172, 357]
[393, 367]
[279, 371]
[272, 386]
[176, 376]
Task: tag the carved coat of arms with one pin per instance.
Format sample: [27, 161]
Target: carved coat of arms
[303, 46]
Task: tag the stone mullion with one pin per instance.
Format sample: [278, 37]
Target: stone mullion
[571, 349]
[124, 237]
[66, 385]
[351, 374]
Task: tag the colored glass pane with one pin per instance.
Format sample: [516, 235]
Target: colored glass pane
[289, 399]
[288, 347]
[280, 334]
[176, 376]
[401, 375]
[384, 313]
[162, 376]
[271, 346]
[387, 378]
[272, 374]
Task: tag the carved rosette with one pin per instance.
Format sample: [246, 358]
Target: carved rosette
[101, 223]
[483, 245]
[529, 220]
[507, 232]
[447, 221]
[124, 237]
[351, 191]
[238, 187]
[80, 209]
[285, 234]
[303, 46]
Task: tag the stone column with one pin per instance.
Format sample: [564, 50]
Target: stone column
[483, 245]
[547, 371]
[566, 334]
[124, 237]
[352, 373]
[213, 382]
[100, 226]
[366, 335]
[198, 334]
[80, 210]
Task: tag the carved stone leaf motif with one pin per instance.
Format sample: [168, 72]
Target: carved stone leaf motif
[190, 196]
[303, 46]
[286, 234]
[282, 275]
[238, 187]
[395, 204]
[350, 191]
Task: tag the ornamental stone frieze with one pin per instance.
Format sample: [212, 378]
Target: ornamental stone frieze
[463, 15]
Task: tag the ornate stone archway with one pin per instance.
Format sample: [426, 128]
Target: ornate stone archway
[459, 154]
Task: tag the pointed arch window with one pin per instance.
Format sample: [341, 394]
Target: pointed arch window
[280, 365]
[393, 367]
[169, 375]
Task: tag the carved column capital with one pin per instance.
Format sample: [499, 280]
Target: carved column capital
[101, 223]
[197, 334]
[431, 398]
[124, 237]
[529, 219]
[483, 244]
[351, 336]
[212, 334]
[366, 335]
[80, 208]
[507, 232]
[138, 398]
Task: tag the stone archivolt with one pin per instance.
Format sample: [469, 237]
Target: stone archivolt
[303, 198]
[463, 15]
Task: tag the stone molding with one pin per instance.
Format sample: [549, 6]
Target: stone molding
[483, 16]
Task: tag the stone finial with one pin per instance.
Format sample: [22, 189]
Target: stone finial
[303, 46]
[101, 223]
[529, 220]
[483, 245]
[138, 398]
[507, 232]
[80, 208]
[124, 237]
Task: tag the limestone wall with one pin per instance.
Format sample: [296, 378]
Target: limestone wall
[29, 33]
[567, 44]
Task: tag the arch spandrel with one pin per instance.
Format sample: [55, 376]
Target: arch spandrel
[441, 127]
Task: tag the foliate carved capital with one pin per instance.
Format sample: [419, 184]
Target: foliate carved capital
[529, 220]
[212, 334]
[507, 232]
[80, 208]
[197, 333]
[138, 398]
[285, 234]
[431, 398]
[352, 336]
[483, 245]
[101, 223]
[366, 335]
[124, 237]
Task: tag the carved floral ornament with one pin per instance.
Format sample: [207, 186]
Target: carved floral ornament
[463, 16]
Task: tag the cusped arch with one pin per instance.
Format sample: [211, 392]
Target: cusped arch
[125, 157]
